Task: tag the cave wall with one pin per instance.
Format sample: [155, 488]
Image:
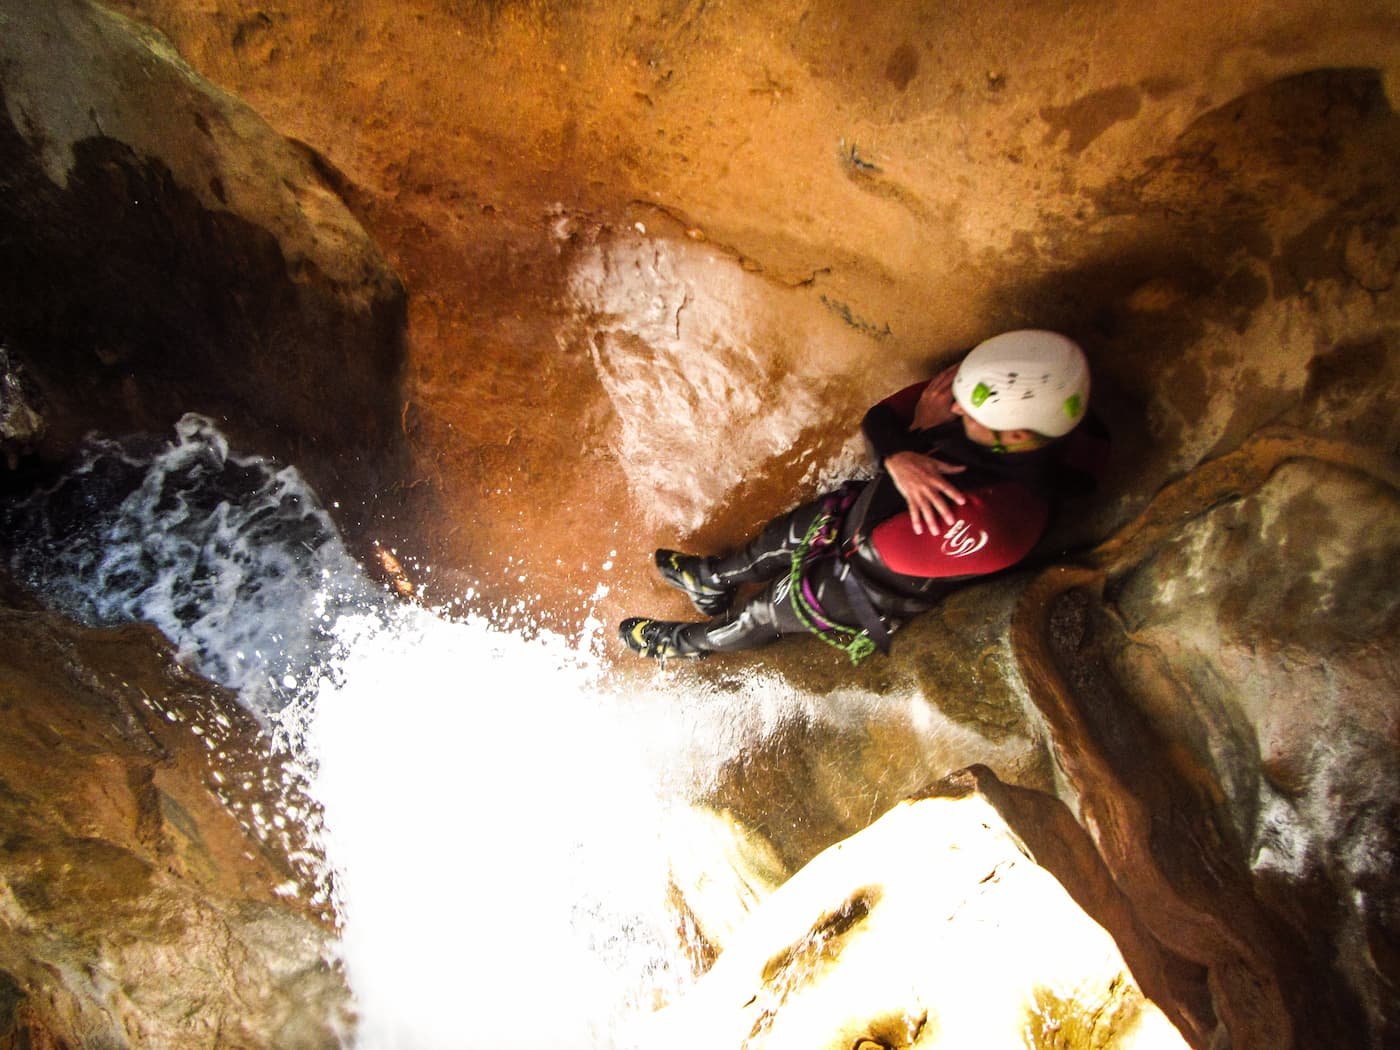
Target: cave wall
[662, 256]
[163, 250]
[657, 261]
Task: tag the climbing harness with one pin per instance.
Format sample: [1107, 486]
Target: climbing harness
[820, 542]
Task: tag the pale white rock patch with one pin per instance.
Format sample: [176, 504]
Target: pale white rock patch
[931, 928]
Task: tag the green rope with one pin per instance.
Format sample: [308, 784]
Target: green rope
[857, 645]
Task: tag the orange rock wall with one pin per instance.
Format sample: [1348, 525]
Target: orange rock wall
[840, 197]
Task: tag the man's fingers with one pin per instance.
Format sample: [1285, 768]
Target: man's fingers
[944, 511]
[946, 488]
[923, 518]
[929, 494]
[930, 511]
[943, 489]
[922, 514]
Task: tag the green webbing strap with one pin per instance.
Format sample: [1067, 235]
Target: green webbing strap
[855, 644]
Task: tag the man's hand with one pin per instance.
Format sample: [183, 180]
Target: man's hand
[935, 405]
[921, 481]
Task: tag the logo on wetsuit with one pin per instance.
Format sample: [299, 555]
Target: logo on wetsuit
[959, 541]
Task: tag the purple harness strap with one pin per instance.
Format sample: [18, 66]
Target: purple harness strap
[832, 513]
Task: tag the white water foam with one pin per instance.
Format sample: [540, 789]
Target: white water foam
[230, 556]
[504, 822]
[496, 818]
[493, 821]
[500, 821]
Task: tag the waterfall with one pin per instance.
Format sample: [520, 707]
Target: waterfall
[494, 814]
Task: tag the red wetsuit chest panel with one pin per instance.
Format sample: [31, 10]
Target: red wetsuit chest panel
[995, 529]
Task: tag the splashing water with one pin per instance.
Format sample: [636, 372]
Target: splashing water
[494, 816]
[501, 826]
[232, 558]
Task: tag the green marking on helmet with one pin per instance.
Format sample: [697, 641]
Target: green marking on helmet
[980, 393]
[1074, 404]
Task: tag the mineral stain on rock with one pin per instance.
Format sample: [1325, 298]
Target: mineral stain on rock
[801, 963]
[895, 1031]
[1086, 118]
[903, 66]
[823, 943]
[1057, 1022]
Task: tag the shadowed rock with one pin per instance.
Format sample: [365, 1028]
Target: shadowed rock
[164, 247]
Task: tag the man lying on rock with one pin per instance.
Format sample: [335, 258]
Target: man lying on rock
[852, 565]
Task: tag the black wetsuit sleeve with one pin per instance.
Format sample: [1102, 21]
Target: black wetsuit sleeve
[886, 425]
[884, 434]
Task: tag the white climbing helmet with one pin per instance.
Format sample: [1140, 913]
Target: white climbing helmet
[1025, 380]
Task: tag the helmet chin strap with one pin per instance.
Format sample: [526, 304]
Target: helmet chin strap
[1000, 444]
[998, 438]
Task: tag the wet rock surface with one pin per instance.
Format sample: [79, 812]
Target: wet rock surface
[147, 897]
[1167, 717]
[1263, 656]
[21, 424]
[657, 261]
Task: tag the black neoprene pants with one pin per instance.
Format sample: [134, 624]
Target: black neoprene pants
[769, 614]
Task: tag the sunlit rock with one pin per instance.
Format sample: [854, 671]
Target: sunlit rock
[954, 698]
[934, 927]
[720, 871]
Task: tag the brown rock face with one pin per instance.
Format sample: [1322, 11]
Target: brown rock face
[1173, 714]
[147, 897]
[656, 259]
[662, 257]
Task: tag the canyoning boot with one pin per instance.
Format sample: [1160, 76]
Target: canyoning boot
[686, 572]
[657, 639]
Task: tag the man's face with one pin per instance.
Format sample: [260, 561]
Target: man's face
[1007, 440]
[974, 430]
